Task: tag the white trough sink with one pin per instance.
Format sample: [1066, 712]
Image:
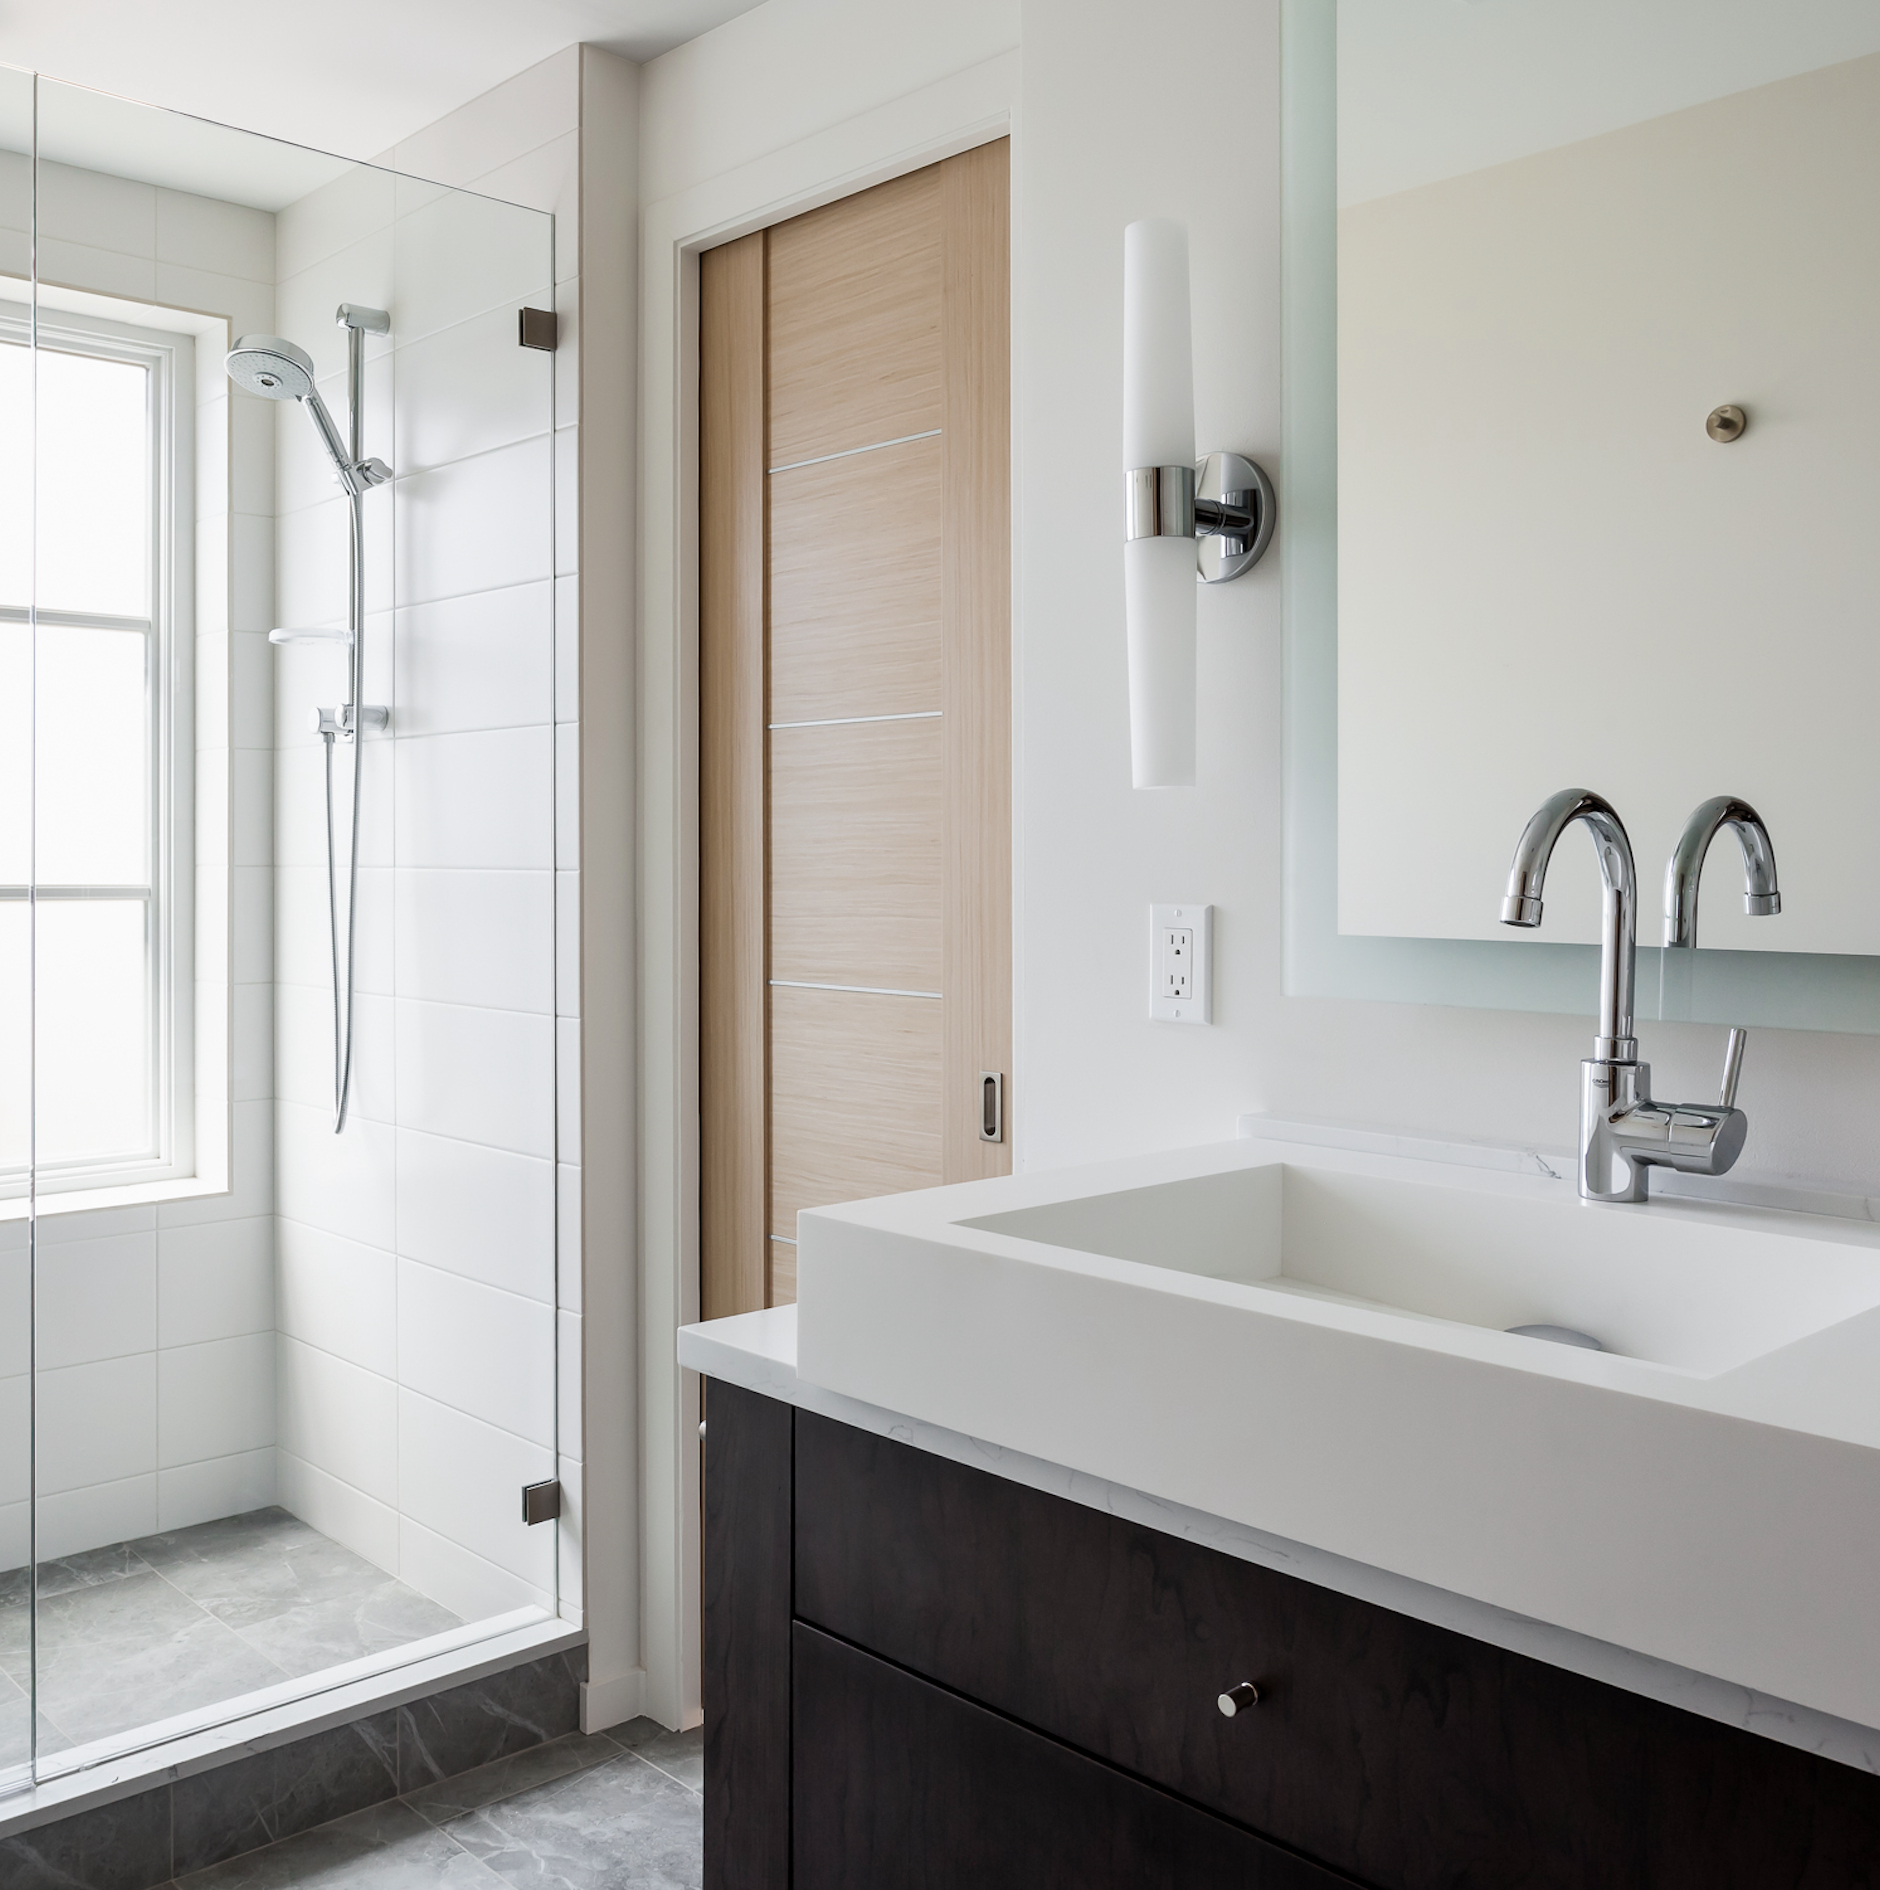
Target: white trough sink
[1315, 1343]
[1687, 1293]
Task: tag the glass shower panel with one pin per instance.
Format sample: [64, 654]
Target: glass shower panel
[287, 694]
[16, 813]
[472, 883]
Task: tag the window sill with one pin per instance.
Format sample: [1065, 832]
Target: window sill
[128, 1194]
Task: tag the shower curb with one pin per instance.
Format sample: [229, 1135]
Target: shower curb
[166, 1813]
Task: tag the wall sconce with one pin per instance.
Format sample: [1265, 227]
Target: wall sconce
[1183, 519]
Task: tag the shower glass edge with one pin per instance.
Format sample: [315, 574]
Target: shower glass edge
[268, 1393]
[16, 937]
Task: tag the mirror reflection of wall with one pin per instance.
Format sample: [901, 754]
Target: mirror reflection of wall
[1567, 232]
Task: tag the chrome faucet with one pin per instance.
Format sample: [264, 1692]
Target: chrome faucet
[1623, 1132]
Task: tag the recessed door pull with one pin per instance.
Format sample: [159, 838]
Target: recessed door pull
[1237, 1700]
[991, 1106]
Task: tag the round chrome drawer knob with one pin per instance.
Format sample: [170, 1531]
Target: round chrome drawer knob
[1238, 1699]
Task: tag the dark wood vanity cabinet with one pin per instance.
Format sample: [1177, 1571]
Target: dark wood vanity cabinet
[902, 1785]
[920, 1676]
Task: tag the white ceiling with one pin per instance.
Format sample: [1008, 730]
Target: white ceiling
[348, 78]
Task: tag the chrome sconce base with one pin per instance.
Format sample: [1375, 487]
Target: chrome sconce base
[1225, 503]
[1234, 512]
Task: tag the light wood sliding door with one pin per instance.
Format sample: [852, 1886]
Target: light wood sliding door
[855, 738]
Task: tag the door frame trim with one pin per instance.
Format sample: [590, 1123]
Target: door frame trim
[974, 106]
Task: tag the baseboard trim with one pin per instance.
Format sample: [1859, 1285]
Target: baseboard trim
[612, 1702]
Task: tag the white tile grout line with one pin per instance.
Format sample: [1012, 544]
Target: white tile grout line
[874, 446]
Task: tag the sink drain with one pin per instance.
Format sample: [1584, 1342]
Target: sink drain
[1558, 1335]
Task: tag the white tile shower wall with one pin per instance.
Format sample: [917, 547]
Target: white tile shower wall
[416, 1275]
[157, 1400]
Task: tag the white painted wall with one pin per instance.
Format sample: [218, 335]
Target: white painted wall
[789, 69]
[155, 1321]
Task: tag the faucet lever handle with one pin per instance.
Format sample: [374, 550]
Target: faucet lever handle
[1733, 1065]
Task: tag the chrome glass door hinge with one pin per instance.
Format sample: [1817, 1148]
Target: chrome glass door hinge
[541, 1502]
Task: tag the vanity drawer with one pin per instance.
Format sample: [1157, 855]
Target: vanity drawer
[1401, 1753]
[900, 1785]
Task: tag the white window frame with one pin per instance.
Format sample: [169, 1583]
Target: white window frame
[169, 897]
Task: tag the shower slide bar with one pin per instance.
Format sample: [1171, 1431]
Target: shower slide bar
[276, 369]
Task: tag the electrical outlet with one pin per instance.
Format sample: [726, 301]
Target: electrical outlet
[1178, 960]
[1178, 964]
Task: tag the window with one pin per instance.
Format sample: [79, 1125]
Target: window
[93, 869]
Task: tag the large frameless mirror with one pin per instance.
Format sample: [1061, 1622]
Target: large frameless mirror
[277, 1038]
[1577, 303]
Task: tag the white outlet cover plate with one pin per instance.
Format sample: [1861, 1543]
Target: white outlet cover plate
[1198, 1007]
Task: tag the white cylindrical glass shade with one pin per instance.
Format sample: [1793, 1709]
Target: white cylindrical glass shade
[1158, 347]
[1159, 599]
[1159, 573]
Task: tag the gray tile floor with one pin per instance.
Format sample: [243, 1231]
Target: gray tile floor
[144, 1630]
[610, 1811]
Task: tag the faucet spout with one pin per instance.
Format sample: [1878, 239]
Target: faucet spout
[1619, 903]
[1761, 896]
[1624, 1133]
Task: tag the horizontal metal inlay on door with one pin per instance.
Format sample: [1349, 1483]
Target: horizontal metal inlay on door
[71, 619]
[850, 721]
[866, 990]
[74, 892]
[849, 452]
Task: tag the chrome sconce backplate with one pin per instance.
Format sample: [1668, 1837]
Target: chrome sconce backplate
[1234, 507]
[1225, 503]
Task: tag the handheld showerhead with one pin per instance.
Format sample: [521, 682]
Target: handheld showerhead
[275, 369]
[271, 367]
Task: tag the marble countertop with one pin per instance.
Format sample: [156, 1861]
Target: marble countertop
[759, 1352]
